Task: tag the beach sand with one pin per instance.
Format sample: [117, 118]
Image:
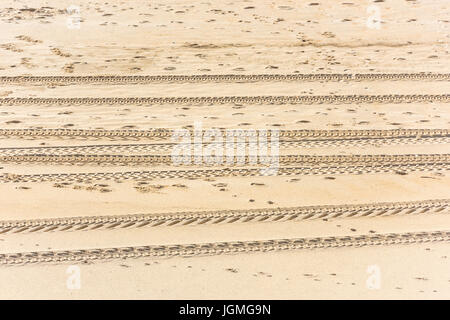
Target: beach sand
[178, 37]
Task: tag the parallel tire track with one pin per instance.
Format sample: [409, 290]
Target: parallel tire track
[217, 248]
[357, 168]
[165, 133]
[110, 80]
[226, 216]
[168, 147]
[335, 99]
[307, 160]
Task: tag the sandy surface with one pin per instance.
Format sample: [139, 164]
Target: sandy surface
[406, 273]
[234, 37]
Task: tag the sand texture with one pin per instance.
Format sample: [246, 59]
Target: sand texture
[352, 203]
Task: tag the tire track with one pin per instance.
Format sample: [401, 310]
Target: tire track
[218, 248]
[111, 80]
[330, 169]
[251, 100]
[255, 160]
[165, 133]
[168, 147]
[226, 216]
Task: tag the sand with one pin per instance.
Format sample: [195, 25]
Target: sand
[178, 37]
